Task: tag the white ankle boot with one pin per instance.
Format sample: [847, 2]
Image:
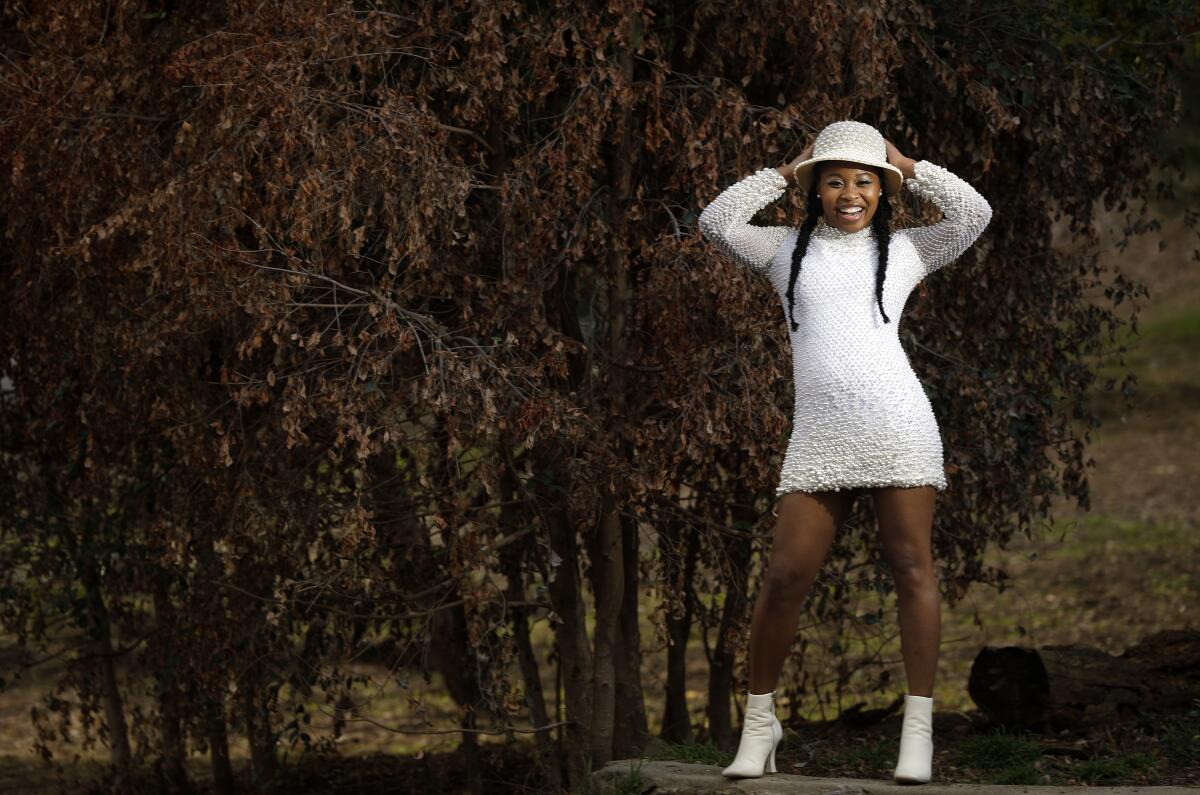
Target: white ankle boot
[761, 733]
[916, 741]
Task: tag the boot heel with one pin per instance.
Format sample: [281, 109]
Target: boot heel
[771, 761]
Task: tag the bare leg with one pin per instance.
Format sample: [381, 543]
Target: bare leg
[804, 531]
[905, 517]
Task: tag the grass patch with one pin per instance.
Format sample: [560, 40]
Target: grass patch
[1091, 534]
[1180, 738]
[1001, 757]
[1116, 769]
[694, 753]
[632, 782]
[1024, 773]
[874, 757]
[1180, 327]
[1165, 340]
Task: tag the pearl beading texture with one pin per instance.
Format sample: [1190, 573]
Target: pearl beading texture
[861, 415]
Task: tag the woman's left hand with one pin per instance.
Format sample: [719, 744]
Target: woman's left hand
[905, 164]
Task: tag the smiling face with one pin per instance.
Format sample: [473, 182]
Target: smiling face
[849, 194]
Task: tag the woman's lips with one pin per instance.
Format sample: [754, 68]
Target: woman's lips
[856, 212]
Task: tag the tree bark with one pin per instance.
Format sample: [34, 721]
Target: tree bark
[102, 654]
[566, 596]
[170, 728]
[677, 721]
[631, 732]
[259, 734]
[451, 654]
[733, 616]
[216, 731]
[512, 559]
[607, 584]
[217, 735]
[608, 555]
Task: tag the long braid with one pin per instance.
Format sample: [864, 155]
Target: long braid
[880, 222]
[811, 215]
[883, 236]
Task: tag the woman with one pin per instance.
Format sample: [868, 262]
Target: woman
[862, 422]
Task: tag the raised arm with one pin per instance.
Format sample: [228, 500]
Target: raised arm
[966, 213]
[726, 219]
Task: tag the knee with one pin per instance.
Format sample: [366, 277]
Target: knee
[913, 576]
[785, 583]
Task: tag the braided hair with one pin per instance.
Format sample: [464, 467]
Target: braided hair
[880, 222]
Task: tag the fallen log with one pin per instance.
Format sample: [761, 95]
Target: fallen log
[1056, 687]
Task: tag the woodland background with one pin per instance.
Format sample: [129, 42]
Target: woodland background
[365, 374]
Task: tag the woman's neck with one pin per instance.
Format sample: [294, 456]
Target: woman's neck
[826, 231]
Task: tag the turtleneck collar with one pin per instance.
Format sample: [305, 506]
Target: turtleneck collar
[826, 231]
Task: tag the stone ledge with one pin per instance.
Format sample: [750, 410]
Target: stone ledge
[679, 778]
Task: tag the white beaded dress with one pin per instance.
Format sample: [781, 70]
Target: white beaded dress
[861, 416]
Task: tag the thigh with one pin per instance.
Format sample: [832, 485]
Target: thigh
[805, 526]
[905, 518]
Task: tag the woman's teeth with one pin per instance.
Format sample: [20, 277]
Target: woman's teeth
[853, 212]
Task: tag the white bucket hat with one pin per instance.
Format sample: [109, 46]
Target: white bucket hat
[853, 141]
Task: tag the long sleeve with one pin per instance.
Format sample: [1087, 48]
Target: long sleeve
[966, 213]
[726, 220]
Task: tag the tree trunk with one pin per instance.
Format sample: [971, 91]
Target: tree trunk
[566, 596]
[630, 733]
[102, 655]
[216, 730]
[450, 651]
[217, 735]
[677, 720]
[733, 617]
[452, 654]
[259, 734]
[607, 554]
[513, 558]
[608, 585]
[170, 730]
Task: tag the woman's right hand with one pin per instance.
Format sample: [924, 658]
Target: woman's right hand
[789, 170]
